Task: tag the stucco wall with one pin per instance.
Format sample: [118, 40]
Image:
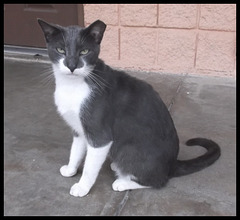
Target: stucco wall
[170, 38]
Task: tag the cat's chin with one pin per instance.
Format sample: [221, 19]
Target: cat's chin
[79, 73]
[72, 75]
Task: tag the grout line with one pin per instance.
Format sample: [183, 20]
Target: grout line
[198, 15]
[119, 16]
[173, 28]
[122, 204]
[197, 35]
[119, 44]
[157, 49]
[119, 33]
[196, 48]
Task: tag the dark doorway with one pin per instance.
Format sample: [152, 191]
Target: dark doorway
[20, 21]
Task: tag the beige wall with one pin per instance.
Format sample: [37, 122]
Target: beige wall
[169, 38]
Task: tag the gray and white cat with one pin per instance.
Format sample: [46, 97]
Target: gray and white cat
[113, 114]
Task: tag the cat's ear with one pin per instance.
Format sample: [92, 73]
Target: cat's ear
[96, 29]
[48, 29]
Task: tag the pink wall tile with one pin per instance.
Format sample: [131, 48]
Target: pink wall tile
[176, 49]
[177, 15]
[105, 12]
[138, 14]
[216, 51]
[138, 51]
[218, 17]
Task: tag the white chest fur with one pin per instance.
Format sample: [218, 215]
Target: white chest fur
[69, 99]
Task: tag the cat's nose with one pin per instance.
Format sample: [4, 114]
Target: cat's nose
[71, 64]
[72, 67]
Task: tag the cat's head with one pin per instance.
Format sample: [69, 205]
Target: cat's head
[73, 50]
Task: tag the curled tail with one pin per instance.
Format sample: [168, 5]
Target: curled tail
[184, 167]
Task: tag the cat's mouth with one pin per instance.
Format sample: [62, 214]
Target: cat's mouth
[72, 74]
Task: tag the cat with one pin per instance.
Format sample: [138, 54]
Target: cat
[114, 115]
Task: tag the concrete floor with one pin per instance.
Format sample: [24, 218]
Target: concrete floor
[37, 144]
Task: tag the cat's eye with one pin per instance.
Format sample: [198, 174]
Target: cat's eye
[60, 50]
[83, 52]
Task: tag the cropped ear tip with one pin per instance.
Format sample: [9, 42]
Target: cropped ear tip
[40, 21]
[102, 23]
[99, 22]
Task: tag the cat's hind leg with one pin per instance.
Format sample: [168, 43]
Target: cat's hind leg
[126, 183]
[77, 153]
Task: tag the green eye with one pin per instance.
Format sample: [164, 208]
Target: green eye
[60, 50]
[83, 52]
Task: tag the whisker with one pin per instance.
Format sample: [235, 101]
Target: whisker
[46, 71]
[100, 87]
[46, 78]
[101, 79]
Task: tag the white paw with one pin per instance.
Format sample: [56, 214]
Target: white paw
[78, 191]
[120, 185]
[67, 172]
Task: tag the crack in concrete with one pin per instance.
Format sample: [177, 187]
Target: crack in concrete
[177, 91]
[121, 204]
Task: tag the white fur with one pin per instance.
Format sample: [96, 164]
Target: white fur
[93, 163]
[70, 93]
[124, 182]
[78, 150]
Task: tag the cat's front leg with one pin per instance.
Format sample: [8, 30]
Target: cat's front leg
[77, 153]
[93, 163]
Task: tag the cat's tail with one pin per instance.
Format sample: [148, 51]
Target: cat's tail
[185, 167]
